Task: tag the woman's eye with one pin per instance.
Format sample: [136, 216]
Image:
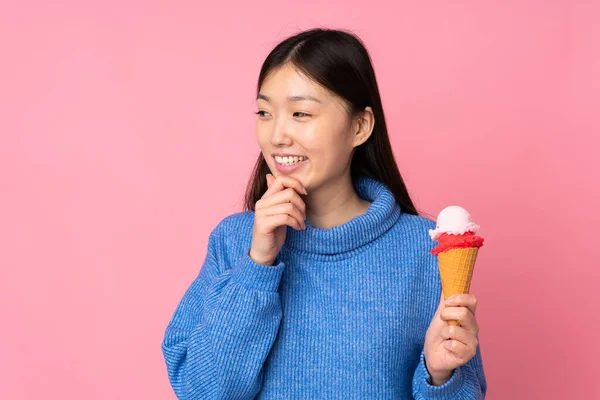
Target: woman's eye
[262, 113]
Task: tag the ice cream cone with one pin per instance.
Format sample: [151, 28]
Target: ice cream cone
[456, 270]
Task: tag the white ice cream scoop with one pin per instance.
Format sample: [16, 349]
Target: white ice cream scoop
[453, 220]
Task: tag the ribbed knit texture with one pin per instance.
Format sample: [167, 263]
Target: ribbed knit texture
[341, 315]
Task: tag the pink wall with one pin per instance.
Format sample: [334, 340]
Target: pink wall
[115, 117]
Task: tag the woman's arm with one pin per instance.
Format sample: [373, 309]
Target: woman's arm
[223, 328]
[467, 382]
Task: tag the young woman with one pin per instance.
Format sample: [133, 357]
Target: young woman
[325, 287]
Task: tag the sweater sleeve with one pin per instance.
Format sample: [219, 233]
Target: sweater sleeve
[467, 382]
[223, 329]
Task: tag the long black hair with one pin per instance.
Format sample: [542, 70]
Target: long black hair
[338, 61]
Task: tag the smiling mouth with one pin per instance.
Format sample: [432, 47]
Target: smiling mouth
[288, 161]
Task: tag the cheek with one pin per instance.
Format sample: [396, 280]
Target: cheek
[328, 157]
[322, 137]
[333, 148]
[261, 134]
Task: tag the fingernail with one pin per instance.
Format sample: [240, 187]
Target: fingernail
[303, 188]
[449, 300]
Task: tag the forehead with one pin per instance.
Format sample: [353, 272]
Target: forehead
[288, 81]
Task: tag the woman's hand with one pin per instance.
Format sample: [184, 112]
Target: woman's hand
[279, 207]
[448, 347]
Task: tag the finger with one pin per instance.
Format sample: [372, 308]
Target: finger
[275, 221]
[457, 333]
[281, 182]
[460, 350]
[463, 315]
[288, 195]
[289, 209]
[270, 179]
[465, 300]
[442, 304]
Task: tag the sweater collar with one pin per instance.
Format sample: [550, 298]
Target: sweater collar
[361, 230]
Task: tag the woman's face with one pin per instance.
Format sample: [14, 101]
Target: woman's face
[302, 129]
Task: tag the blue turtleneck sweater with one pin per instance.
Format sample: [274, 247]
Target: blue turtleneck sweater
[341, 315]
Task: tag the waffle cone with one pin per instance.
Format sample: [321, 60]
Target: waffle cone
[456, 270]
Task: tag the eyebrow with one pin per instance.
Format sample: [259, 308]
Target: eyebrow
[292, 98]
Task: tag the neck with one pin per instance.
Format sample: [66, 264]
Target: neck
[342, 240]
[334, 204]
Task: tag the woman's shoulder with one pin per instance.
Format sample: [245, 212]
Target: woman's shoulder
[234, 227]
[231, 237]
[413, 231]
[235, 223]
[411, 223]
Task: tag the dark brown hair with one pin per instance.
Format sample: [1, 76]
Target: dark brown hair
[338, 61]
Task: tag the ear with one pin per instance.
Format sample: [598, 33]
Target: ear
[363, 126]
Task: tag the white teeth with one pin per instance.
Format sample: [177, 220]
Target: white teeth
[289, 160]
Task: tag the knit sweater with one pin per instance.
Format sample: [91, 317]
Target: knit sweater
[341, 315]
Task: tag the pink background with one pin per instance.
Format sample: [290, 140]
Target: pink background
[127, 133]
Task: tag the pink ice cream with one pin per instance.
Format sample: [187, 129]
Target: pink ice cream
[455, 229]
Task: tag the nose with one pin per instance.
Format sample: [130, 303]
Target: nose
[280, 135]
